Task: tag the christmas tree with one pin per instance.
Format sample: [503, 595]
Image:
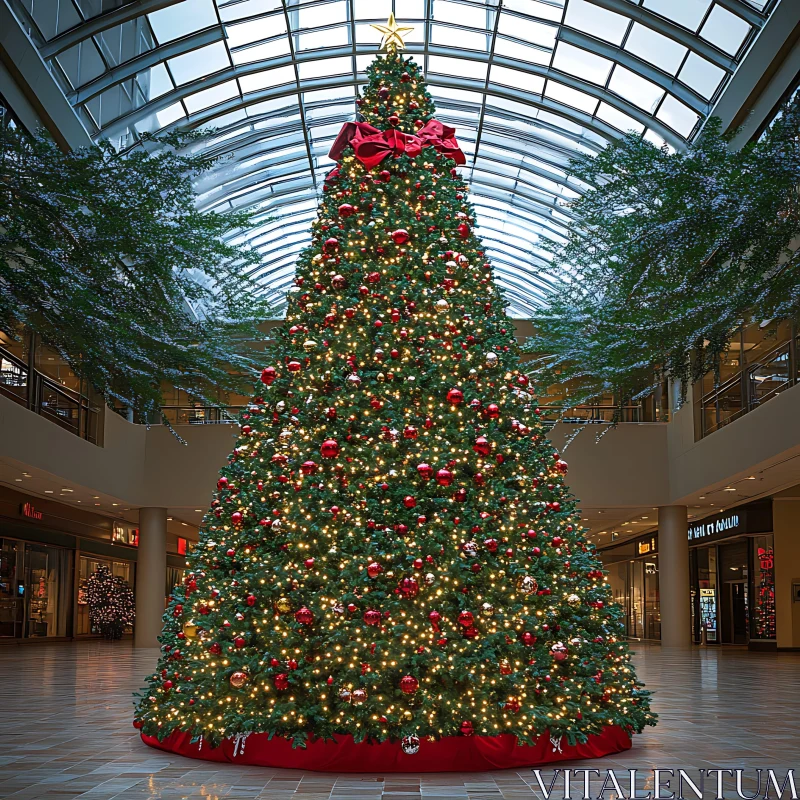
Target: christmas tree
[111, 604]
[392, 564]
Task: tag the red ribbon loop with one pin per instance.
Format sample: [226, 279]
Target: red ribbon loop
[371, 145]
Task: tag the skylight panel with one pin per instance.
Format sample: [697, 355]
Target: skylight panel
[615, 117]
[581, 64]
[459, 37]
[527, 30]
[337, 93]
[317, 40]
[158, 81]
[689, 13]
[266, 79]
[517, 79]
[199, 63]
[656, 49]
[462, 95]
[413, 9]
[170, 114]
[460, 14]
[678, 116]
[256, 30]
[552, 9]
[372, 9]
[725, 30]
[366, 34]
[239, 9]
[589, 18]
[181, 19]
[323, 67]
[637, 90]
[522, 52]
[319, 14]
[701, 75]
[262, 52]
[211, 97]
[460, 67]
[570, 97]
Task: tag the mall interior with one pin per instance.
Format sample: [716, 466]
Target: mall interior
[694, 507]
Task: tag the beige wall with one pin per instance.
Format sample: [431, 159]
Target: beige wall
[140, 466]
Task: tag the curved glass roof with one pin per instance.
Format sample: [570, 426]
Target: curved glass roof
[527, 84]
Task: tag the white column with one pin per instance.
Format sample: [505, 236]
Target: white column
[673, 576]
[151, 576]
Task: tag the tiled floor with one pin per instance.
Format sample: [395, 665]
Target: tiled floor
[65, 732]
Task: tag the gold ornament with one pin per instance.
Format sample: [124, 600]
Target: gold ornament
[487, 609]
[526, 584]
[283, 605]
[392, 34]
[309, 345]
[189, 630]
[238, 679]
[574, 600]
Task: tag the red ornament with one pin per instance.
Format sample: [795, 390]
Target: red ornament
[268, 374]
[138, 724]
[374, 569]
[482, 446]
[346, 210]
[239, 641]
[490, 545]
[250, 600]
[493, 411]
[444, 477]
[281, 682]
[308, 467]
[304, 616]
[562, 466]
[460, 495]
[409, 587]
[338, 281]
[455, 396]
[409, 501]
[463, 230]
[332, 245]
[425, 471]
[236, 517]
[330, 448]
[409, 432]
[400, 236]
[467, 728]
[222, 483]
[466, 619]
[372, 617]
[294, 366]
[409, 684]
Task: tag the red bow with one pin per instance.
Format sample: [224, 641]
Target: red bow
[371, 145]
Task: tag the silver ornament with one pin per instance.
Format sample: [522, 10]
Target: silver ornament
[410, 745]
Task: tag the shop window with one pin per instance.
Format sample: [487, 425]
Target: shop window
[763, 614]
[125, 533]
[88, 564]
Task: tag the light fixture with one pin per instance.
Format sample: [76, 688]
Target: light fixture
[729, 489]
[48, 491]
[115, 504]
[18, 480]
[750, 478]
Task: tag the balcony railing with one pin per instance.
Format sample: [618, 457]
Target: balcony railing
[591, 414]
[41, 394]
[202, 415]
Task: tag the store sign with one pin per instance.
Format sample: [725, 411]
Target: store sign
[731, 524]
[27, 510]
[647, 547]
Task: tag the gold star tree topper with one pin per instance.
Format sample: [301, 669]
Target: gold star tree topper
[392, 34]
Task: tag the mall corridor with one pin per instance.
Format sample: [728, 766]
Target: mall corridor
[67, 732]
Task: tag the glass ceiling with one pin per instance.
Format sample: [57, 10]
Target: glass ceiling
[527, 84]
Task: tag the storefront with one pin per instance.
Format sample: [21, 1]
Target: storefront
[732, 579]
[48, 551]
[633, 574]
[732, 564]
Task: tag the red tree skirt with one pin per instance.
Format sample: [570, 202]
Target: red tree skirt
[451, 754]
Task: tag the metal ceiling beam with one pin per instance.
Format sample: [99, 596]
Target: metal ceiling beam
[669, 29]
[743, 10]
[667, 82]
[130, 68]
[100, 23]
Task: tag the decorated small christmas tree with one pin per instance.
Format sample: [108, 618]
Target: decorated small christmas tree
[111, 604]
[392, 574]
